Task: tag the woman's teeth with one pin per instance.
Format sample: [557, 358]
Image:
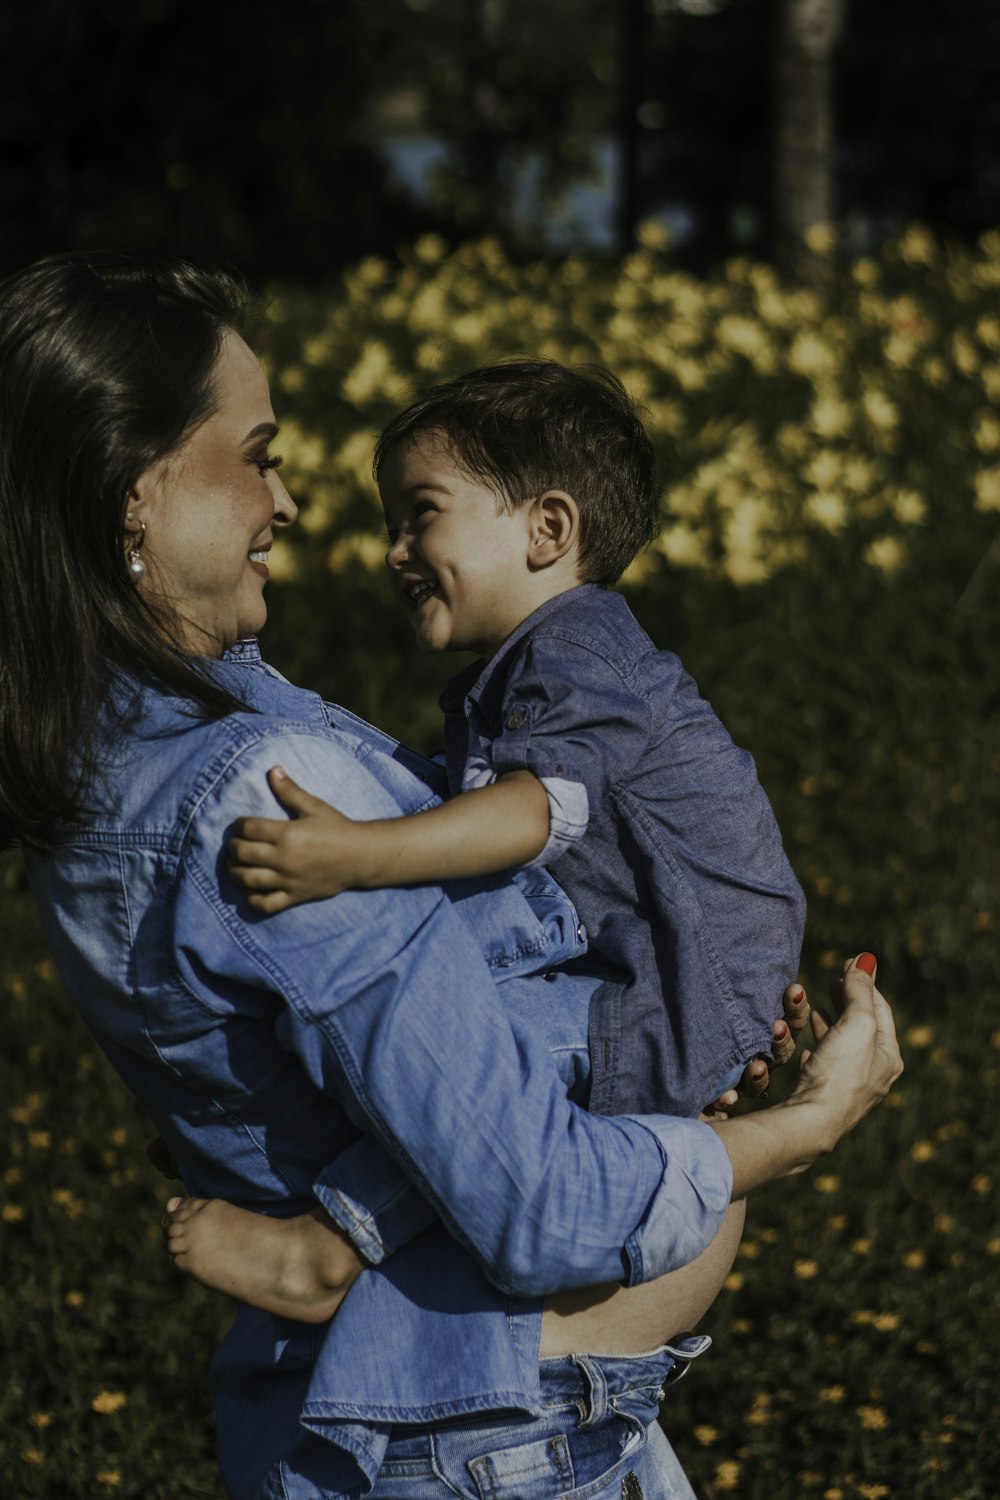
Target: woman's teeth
[418, 592]
[260, 557]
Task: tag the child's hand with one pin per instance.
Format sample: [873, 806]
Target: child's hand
[283, 862]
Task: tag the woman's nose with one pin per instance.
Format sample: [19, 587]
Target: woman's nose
[285, 509]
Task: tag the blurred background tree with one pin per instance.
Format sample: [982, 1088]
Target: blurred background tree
[293, 142]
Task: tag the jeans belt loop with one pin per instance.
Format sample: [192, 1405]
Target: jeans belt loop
[596, 1390]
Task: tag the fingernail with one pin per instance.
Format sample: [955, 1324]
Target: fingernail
[279, 773]
[867, 963]
[781, 1030]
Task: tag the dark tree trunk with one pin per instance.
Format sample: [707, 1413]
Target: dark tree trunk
[802, 178]
[633, 14]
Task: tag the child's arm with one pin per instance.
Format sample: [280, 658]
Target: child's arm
[320, 852]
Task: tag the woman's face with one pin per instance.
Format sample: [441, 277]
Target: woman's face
[210, 511]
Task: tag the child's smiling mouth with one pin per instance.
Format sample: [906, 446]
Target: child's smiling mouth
[418, 592]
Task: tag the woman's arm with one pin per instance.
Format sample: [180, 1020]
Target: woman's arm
[321, 852]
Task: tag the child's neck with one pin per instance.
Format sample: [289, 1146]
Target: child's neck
[546, 584]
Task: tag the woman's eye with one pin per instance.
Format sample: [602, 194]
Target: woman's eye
[268, 462]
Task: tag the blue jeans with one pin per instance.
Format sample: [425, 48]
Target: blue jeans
[597, 1438]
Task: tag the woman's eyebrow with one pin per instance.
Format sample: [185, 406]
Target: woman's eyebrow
[263, 429]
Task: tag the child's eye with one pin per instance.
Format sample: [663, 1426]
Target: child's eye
[423, 508]
[269, 461]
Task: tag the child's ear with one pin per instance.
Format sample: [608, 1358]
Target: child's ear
[553, 528]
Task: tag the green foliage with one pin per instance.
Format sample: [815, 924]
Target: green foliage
[855, 1346]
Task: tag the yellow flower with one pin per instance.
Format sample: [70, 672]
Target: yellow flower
[12, 1213]
[828, 510]
[886, 1322]
[110, 1477]
[32, 1456]
[727, 1475]
[914, 1260]
[830, 416]
[993, 1247]
[811, 355]
[40, 1419]
[40, 1139]
[919, 1036]
[820, 238]
[886, 553]
[909, 507]
[917, 247]
[74, 1299]
[923, 1151]
[828, 1183]
[705, 1435]
[873, 1417]
[373, 374]
[834, 1393]
[986, 432]
[654, 235]
[981, 1184]
[880, 411]
[874, 1491]
[988, 489]
[805, 1270]
[944, 1223]
[108, 1402]
[733, 1281]
[69, 1202]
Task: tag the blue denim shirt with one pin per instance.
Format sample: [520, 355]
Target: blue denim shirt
[357, 1050]
[661, 834]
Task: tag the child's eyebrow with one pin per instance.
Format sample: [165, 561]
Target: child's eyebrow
[425, 484]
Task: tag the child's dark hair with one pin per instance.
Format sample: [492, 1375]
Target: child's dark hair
[531, 425]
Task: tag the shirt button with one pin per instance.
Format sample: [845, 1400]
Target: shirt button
[515, 719]
[581, 933]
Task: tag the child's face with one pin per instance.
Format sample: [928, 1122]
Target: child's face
[460, 569]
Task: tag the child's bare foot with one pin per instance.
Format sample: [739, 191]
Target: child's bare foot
[297, 1268]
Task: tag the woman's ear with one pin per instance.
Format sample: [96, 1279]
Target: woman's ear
[553, 528]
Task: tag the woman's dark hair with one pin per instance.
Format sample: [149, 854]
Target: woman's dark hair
[106, 366]
[530, 425]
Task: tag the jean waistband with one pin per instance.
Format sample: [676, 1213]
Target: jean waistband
[591, 1380]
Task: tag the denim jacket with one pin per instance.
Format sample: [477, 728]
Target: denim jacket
[357, 1051]
[661, 834]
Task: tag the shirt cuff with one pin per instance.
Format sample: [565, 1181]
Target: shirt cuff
[688, 1208]
[372, 1200]
[569, 813]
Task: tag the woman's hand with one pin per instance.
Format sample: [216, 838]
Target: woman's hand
[282, 862]
[852, 1067]
[756, 1078]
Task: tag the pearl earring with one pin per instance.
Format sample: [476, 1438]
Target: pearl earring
[136, 566]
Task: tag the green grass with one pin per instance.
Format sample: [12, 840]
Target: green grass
[855, 1350]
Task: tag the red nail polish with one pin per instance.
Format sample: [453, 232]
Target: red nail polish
[867, 962]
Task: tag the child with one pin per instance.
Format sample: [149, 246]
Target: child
[515, 496]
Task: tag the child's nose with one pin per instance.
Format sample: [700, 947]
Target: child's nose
[397, 553]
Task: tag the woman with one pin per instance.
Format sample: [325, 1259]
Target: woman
[354, 1052]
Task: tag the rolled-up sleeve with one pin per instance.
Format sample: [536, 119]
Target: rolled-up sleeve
[570, 718]
[386, 1001]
